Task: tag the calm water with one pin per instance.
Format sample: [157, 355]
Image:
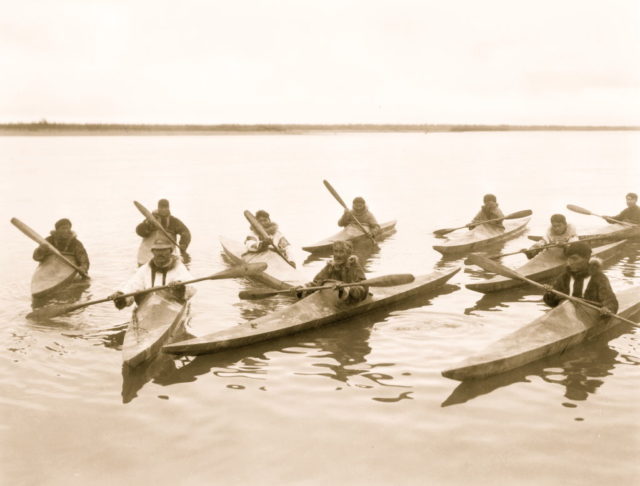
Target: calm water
[362, 402]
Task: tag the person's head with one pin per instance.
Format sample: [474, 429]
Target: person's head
[341, 251]
[490, 200]
[162, 253]
[263, 218]
[63, 228]
[558, 224]
[358, 204]
[578, 255]
[163, 207]
[632, 199]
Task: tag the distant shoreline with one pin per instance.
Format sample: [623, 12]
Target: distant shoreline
[78, 129]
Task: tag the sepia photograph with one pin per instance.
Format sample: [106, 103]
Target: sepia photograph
[348, 242]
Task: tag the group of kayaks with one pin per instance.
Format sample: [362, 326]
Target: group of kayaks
[158, 318]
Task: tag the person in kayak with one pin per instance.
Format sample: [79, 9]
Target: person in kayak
[631, 214]
[360, 212]
[583, 277]
[559, 232]
[164, 268]
[170, 223]
[488, 211]
[66, 242]
[343, 268]
[254, 243]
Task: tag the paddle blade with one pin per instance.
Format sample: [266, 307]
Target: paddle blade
[242, 270]
[49, 311]
[445, 231]
[388, 280]
[259, 294]
[492, 266]
[535, 238]
[578, 209]
[27, 231]
[334, 193]
[519, 214]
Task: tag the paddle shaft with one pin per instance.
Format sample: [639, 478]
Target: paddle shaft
[149, 215]
[342, 203]
[578, 209]
[508, 272]
[516, 215]
[40, 240]
[542, 247]
[265, 236]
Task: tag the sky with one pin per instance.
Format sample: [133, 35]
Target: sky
[369, 61]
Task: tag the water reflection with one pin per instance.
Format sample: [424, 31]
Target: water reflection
[581, 370]
[338, 352]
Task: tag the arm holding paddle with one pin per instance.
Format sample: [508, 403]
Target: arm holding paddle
[517, 215]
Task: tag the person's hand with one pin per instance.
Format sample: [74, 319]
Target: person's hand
[605, 312]
[548, 288]
[175, 283]
[86, 272]
[343, 293]
[118, 301]
[299, 292]
[263, 245]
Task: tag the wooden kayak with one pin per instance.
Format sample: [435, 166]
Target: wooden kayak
[278, 275]
[153, 323]
[564, 326]
[50, 275]
[481, 236]
[318, 309]
[353, 234]
[544, 266]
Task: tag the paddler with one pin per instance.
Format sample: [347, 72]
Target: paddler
[343, 268]
[631, 214]
[488, 211]
[583, 277]
[66, 242]
[170, 223]
[164, 268]
[360, 212]
[254, 243]
[559, 232]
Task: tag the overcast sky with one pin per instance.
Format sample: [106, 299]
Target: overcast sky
[369, 61]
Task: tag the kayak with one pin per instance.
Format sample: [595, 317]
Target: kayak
[144, 251]
[50, 275]
[564, 326]
[278, 275]
[353, 234]
[153, 323]
[482, 236]
[544, 266]
[320, 308]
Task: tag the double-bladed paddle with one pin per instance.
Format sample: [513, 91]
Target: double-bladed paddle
[543, 247]
[383, 281]
[578, 209]
[265, 236]
[234, 272]
[150, 217]
[516, 215]
[342, 203]
[40, 240]
[500, 269]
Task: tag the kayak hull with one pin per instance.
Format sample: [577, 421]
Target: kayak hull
[153, 323]
[560, 328]
[353, 234]
[318, 309]
[545, 266]
[482, 236]
[51, 274]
